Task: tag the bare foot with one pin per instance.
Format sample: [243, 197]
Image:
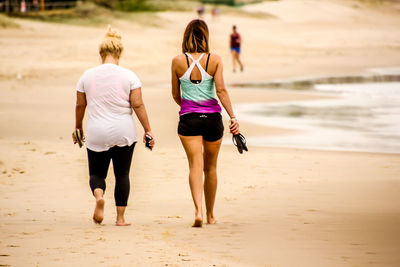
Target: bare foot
[98, 214]
[198, 221]
[122, 223]
[211, 219]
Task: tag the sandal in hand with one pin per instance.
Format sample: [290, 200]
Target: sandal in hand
[240, 142]
[77, 137]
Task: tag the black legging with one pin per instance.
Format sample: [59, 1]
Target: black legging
[98, 168]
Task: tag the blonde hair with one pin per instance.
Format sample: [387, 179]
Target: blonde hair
[195, 38]
[111, 44]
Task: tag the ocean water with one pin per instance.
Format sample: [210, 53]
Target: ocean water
[363, 117]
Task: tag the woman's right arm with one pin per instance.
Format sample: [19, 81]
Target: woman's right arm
[176, 92]
[223, 96]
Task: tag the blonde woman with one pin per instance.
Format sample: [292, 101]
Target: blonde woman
[110, 93]
[196, 79]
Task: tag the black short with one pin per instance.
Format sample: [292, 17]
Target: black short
[208, 125]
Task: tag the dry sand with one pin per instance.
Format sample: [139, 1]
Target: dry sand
[275, 206]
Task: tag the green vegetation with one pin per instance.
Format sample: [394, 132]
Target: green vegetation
[163, 5]
[230, 2]
[6, 22]
[94, 12]
[126, 5]
[233, 2]
[221, 2]
[97, 12]
[83, 13]
[147, 5]
[377, 1]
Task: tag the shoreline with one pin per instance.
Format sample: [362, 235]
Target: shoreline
[307, 82]
[339, 122]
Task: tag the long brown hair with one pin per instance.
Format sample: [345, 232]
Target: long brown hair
[195, 38]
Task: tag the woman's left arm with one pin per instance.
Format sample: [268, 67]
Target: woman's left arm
[176, 93]
[138, 106]
[223, 96]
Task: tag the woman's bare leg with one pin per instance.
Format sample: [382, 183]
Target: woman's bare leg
[238, 60]
[98, 214]
[234, 59]
[211, 150]
[193, 148]
[120, 216]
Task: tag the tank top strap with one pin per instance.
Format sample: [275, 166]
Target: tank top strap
[204, 73]
[195, 61]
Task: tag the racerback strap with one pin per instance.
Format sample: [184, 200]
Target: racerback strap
[187, 60]
[208, 58]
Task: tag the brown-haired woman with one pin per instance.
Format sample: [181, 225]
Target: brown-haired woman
[196, 77]
[110, 92]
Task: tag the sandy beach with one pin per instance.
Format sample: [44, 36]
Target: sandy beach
[275, 206]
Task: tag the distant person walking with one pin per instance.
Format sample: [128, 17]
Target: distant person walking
[110, 92]
[235, 43]
[215, 13]
[196, 79]
[200, 11]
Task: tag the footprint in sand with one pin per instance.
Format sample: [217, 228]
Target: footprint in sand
[175, 216]
[312, 210]
[18, 170]
[167, 234]
[251, 187]
[26, 233]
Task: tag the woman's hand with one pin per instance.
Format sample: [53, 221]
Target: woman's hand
[82, 136]
[234, 126]
[152, 142]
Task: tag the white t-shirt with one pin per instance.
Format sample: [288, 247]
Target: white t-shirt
[110, 122]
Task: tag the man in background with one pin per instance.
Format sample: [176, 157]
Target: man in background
[236, 40]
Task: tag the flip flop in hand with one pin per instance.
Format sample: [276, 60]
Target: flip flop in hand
[77, 137]
[240, 142]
